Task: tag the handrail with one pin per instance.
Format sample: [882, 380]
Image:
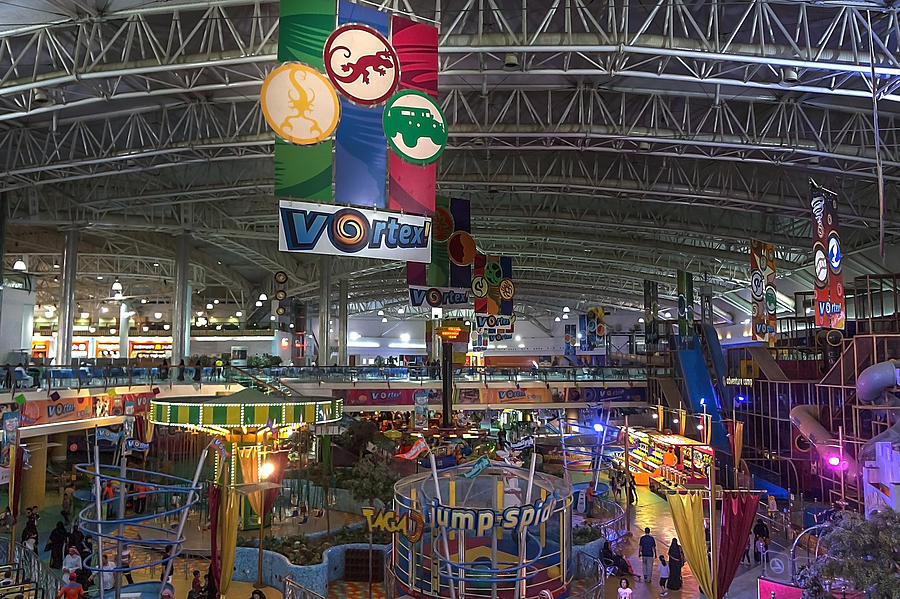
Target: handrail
[32, 567]
[281, 390]
[292, 590]
[807, 531]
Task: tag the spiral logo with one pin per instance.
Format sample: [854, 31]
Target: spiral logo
[434, 297]
[349, 230]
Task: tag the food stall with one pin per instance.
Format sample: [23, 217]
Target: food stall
[689, 468]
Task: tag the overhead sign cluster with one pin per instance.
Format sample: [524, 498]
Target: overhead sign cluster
[358, 124]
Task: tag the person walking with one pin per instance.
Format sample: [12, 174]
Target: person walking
[181, 370]
[663, 576]
[57, 545]
[632, 491]
[760, 531]
[676, 562]
[648, 554]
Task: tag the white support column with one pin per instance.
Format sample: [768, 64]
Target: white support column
[124, 324]
[343, 354]
[181, 305]
[324, 353]
[66, 311]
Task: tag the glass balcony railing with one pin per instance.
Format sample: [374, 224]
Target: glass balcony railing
[272, 380]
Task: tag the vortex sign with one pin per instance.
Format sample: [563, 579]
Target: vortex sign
[340, 231]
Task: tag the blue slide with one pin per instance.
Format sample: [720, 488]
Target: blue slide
[692, 367]
[718, 361]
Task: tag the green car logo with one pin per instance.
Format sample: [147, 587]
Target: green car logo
[415, 127]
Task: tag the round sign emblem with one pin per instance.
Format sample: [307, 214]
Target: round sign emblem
[507, 289]
[461, 248]
[479, 286]
[415, 127]
[299, 104]
[756, 285]
[493, 273]
[434, 297]
[442, 224]
[834, 253]
[821, 264]
[682, 306]
[771, 300]
[361, 64]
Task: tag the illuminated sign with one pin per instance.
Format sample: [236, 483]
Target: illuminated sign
[410, 525]
[341, 231]
[481, 522]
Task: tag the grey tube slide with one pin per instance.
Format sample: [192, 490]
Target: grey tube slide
[806, 419]
[872, 381]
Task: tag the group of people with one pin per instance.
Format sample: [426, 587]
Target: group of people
[669, 569]
[618, 481]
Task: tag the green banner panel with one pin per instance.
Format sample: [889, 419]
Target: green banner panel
[304, 172]
[303, 27]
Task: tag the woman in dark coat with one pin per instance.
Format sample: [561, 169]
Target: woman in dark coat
[676, 562]
[76, 540]
[57, 545]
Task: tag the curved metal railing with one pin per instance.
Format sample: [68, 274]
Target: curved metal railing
[34, 570]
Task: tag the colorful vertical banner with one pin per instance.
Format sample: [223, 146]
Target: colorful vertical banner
[827, 256]
[685, 303]
[592, 329]
[492, 284]
[304, 171]
[762, 291]
[651, 312]
[447, 280]
[411, 186]
[570, 339]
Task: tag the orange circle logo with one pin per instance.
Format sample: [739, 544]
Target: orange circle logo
[300, 104]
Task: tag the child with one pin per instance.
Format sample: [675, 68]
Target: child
[624, 591]
[663, 575]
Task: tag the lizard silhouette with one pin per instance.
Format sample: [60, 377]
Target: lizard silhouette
[301, 105]
[379, 63]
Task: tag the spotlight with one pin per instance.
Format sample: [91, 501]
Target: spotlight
[263, 297]
[740, 399]
[266, 470]
[258, 304]
[20, 265]
[699, 427]
[556, 319]
[598, 428]
[566, 309]
[655, 416]
[157, 315]
[117, 286]
[209, 306]
[384, 319]
[674, 420]
[238, 314]
[381, 313]
[565, 317]
[510, 61]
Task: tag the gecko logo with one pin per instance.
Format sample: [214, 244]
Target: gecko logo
[361, 64]
[341, 231]
[299, 104]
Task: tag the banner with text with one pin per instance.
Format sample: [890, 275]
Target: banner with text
[827, 256]
[341, 231]
[51, 411]
[762, 291]
[601, 394]
[446, 281]
[387, 397]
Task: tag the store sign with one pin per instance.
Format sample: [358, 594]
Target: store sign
[481, 522]
[762, 291]
[438, 297]
[410, 524]
[341, 231]
[513, 395]
[51, 411]
[827, 258]
[602, 394]
[388, 397]
[106, 348]
[149, 349]
[80, 349]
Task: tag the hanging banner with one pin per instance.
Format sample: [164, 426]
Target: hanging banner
[411, 185]
[827, 256]
[685, 304]
[593, 331]
[513, 395]
[762, 291]
[602, 394]
[340, 231]
[104, 434]
[452, 254]
[570, 338]
[135, 445]
[651, 312]
[492, 284]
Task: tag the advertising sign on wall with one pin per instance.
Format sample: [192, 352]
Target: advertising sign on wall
[51, 411]
[149, 349]
[762, 291]
[601, 394]
[341, 231]
[388, 397]
[827, 256]
[514, 395]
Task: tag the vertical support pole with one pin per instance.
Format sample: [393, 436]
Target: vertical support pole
[98, 491]
[67, 298]
[713, 525]
[187, 508]
[343, 353]
[437, 494]
[4, 210]
[124, 320]
[123, 471]
[446, 385]
[181, 305]
[13, 482]
[324, 352]
[628, 483]
[879, 172]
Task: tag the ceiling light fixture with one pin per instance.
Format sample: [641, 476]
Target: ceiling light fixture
[117, 286]
[263, 297]
[238, 314]
[20, 265]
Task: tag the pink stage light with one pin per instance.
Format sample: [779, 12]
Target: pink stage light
[834, 461]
